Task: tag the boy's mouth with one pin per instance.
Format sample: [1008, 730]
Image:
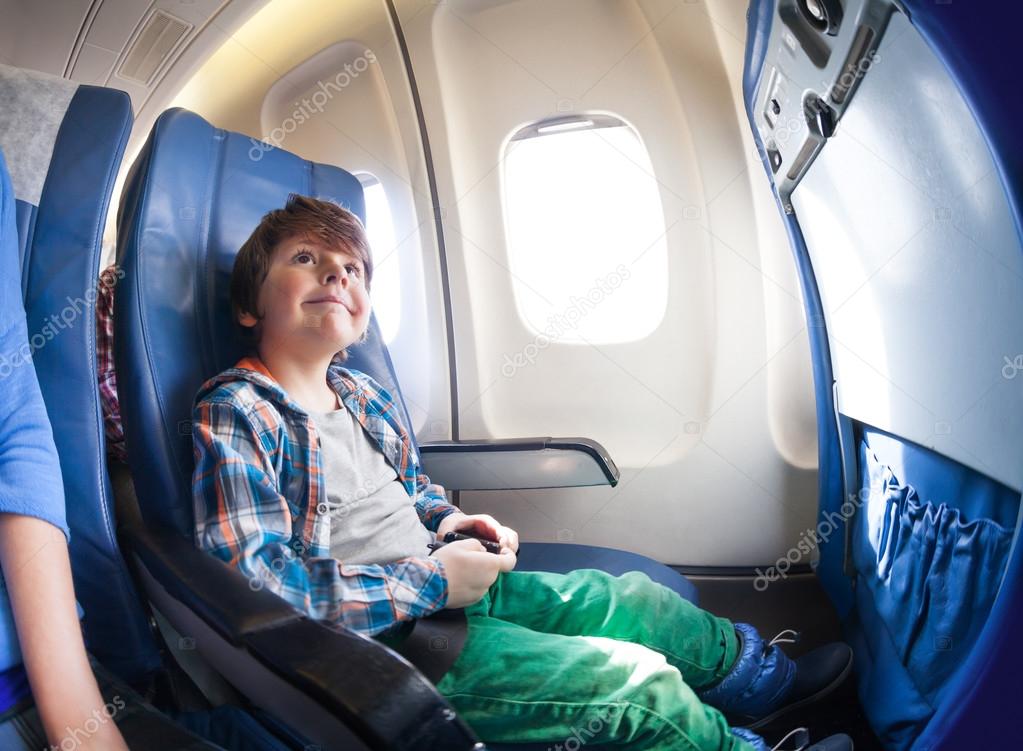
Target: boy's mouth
[328, 299]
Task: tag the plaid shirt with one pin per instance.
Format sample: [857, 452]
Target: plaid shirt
[261, 505]
[105, 362]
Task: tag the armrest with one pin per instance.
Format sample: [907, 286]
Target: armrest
[337, 688]
[518, 463]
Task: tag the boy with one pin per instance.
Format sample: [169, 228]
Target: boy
[306, 481]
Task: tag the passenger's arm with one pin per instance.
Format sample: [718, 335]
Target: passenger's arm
[242, 519]
[37, 571]
[33, 546]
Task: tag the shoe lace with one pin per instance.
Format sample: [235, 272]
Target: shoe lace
[802, 739]
[784, 638]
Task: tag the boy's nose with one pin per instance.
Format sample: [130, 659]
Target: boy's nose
[332, 277]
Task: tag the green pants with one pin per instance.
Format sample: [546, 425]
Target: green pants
[587, 658]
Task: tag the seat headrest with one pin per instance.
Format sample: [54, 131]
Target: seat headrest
[191, 199]
[64, 144]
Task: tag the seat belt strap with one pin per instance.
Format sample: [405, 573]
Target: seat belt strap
[435, 642]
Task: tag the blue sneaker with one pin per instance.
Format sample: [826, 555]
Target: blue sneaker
[765, 684]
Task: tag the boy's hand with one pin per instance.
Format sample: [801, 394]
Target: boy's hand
[470, 570]
[480, 525]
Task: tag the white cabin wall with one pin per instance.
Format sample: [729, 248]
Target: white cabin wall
[710, 418]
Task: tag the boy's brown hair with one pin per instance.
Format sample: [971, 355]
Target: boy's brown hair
[302, 216]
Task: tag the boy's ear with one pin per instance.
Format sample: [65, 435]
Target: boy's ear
[247, 320]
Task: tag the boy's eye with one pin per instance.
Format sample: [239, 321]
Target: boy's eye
[352, 270]
[302, 254]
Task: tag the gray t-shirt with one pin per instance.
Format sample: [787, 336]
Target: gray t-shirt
[373, 519]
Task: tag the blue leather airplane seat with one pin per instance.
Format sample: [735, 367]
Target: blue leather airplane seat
[64, 143]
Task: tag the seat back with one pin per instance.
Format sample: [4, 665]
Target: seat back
[192, 198]
[64, 143]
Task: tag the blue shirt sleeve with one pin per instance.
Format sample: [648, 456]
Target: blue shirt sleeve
[30, 478]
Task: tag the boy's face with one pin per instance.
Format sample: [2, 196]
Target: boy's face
[313, 298]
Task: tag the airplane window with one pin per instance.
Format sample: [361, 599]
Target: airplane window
[587, 243]
[386, 292]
